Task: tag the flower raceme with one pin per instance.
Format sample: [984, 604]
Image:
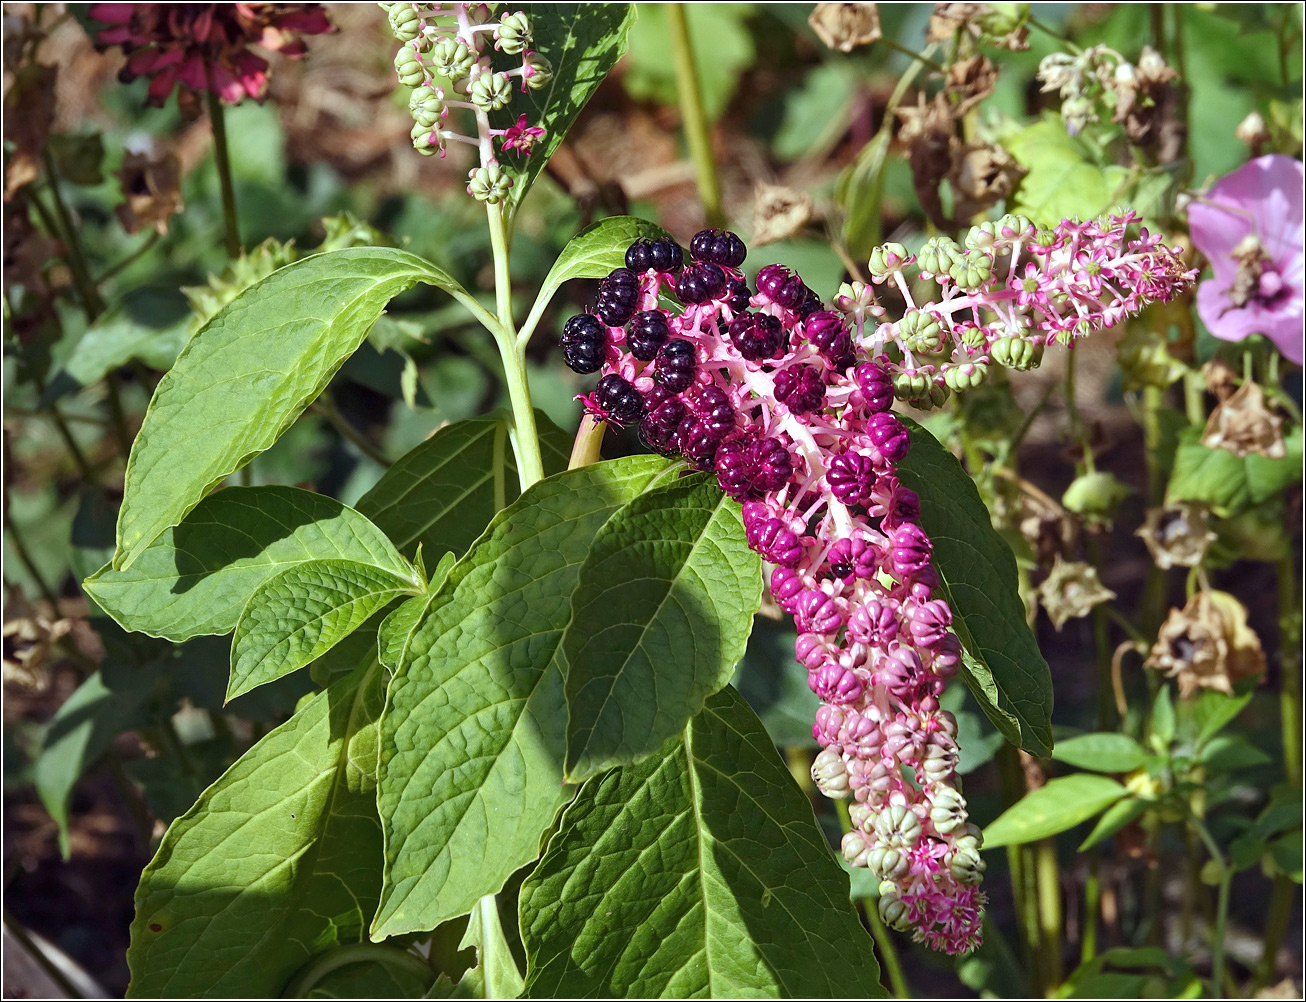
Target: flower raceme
[456, 42]
[205, 46]
[788, 402]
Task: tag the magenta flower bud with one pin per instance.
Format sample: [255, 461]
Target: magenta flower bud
[876, 386]
[910, 550]
[923, 584]
[817, 612]
[889, 437]
[930, 622]
[874, 622]
[811, 651]
[851, 476]
[904, 506]
[786, 586]
[828, 724]
[775, 541]
[835, 684]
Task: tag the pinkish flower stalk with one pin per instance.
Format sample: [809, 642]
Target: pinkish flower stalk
[205, 46]
[1250, 227]
[457, 42]
[788, 403]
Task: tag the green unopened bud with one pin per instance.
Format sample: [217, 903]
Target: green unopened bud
[405, 23]
[937, 255]
[1045, 238]
[830, 774]
[426, 140]
[539, 71]
[513, 35]
[452, 58]
[894, 911]
[972, 269]
[887, 259]
[888, 863]
[920, 332]
[966, 376]
[1016, 353]
[408, 67]
[855, 847]
[488, 184]
[426, 106]
[490, 91]
[982, 237]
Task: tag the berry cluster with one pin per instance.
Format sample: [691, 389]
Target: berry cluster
[789, 404]
[452, 41]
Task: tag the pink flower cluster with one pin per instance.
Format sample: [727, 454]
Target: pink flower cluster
[789, 404]
[205, 46]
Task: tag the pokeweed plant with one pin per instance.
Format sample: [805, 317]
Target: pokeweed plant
[523, 741]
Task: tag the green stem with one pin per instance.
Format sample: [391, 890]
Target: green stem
[1289, 659]
[73, 253]
[1276, 930]
[525, 438]
[690, 95]
[1049, 909]
[222, 156]
[25, 558]
[1018, 864]
[1221, 907]
[589, 440]
[135, 255]
[1092, 909]
[387, 956]
[889, 43]
[880, 933]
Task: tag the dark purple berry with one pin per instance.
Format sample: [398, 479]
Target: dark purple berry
[780, 285]
[876, 387]
[826, 332]
[851, 477]
[674, 368]
[660, 255]
[620, 401]
[800, 388]
[747, 469]
[757, 336]
[699, 283]
[696, 443]
[584, 343]
[618, 297]
[712, 407]
[739, 295]
[718, 247]
[889, 435]
[658, 428]
[810, 304]
[648, 331]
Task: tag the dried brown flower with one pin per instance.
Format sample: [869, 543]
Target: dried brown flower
[29, 113]
[981, 176]
[1176, 535]
[1071, 590]
[971, 81]
[1221, 379]
[1243, 425]
[151, 191]
[1207, 645]
[979, 21]
[846, 26]
[29, 637]
[779, 212]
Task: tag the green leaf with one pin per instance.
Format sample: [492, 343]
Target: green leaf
[149, 326]
[1115, 817]
[1062, 181]
[1163, 717]
[1055, 807]
[475, 729]
[594, 252]
[1232, 751]
[1286, 852]
[582, 42]
[247, 374]
[300, 613]
[659, 620]
[196, 578]
[278, 861]
[1213, 711]
[495, 975]
[699, 872]
[79, 733]
[1226, 482]
[442, 493]
[1104, 752]
[1005, 670]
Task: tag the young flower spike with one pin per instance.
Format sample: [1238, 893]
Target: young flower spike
[205, 46]
[788, 404]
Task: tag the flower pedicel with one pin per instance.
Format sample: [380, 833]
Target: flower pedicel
[788, 402]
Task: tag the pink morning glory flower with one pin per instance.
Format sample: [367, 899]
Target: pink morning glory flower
[1250, 227]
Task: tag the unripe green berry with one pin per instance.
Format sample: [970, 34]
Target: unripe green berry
[921, 332]
[855, 847]
[405, 24]
[967, 866]
[898, 825]
[452, 58]
[426, 106]
[982, 237]
[408, 67]
[426, 140]
[490, 91]
[887, 259]
[937, 256]
[894, 912]
[1016, 353]
[966, 376]
[830, 774]
[513, 34]
[974, 338]
[541, 71]
[909, 385]
[972, 269]
[935, 395]
[860, 814]
[888, 863]
[488, 184]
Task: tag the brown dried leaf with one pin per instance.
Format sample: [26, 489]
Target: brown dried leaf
[846, 26]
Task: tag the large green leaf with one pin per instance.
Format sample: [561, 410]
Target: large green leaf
[593, 253]
[1005, 670]
[441, 494]
[247, 374]
[278, 861]
[698, 872]
[659, 620]
[1055, 807]
[1228, 482]
[582, 41]
[1105, 752]
[475, 729]
[196, 577]
[300, 613]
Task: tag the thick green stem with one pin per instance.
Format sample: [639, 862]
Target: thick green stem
[880, 933]
[690, 95]
[1290, 660]
[222, 156]
[525, 438]
[1020, 865]
[1049, 910]
[1092, 909]
[589, 440]
[1276, 930]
